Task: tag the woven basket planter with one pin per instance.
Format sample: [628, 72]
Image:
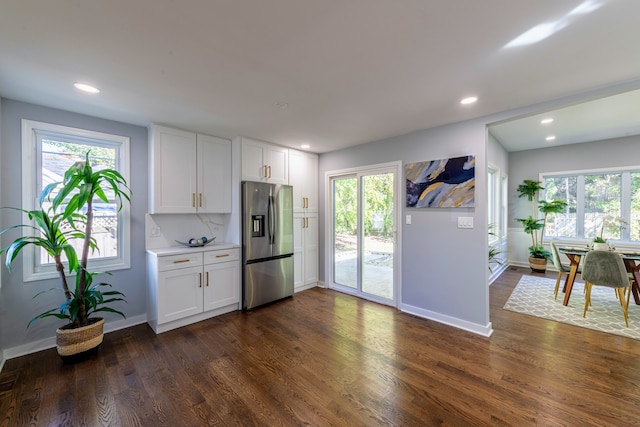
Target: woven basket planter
[75, 341]
[538, 265]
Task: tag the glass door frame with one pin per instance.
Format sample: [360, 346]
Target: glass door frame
[391, 167]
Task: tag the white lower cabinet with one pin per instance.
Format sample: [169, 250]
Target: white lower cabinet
[192, 286]
[305, 251]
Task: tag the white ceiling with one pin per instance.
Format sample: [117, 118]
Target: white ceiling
[609, 117]
[350, 71]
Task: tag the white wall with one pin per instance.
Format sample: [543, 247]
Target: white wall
[17, 306]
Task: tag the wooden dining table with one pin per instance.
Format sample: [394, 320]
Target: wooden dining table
[575, 254]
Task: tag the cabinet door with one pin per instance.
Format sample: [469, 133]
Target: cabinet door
[303, 176]
[222, 285]
[253, 164]
[172, 171]
[179, 293]
[277, 160]
[298, 250]
[305, 249]
[214, 174]
[311, 249]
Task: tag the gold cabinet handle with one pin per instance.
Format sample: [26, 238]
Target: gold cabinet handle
[222, 255]
[200, 280]
[179, 261]
[207, 278]
[269, 167]
[193, 200]
[264, 173]
[200, 199]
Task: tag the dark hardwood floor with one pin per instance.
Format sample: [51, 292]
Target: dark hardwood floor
[324, 358]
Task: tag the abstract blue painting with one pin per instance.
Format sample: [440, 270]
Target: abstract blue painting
[446, 183]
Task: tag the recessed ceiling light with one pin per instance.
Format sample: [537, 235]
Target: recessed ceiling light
[469, 100]
[86, 88]
[551, 138]
[546, 121]
[305, 146]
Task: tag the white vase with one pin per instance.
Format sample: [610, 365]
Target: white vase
[600, 246]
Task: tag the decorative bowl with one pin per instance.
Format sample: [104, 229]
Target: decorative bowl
[196, 243]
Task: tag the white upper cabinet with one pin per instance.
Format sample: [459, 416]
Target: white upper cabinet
[189, 173]
[303, 176]
[214, 174]
[264, 162]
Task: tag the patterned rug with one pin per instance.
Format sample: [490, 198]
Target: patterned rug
[534, 296]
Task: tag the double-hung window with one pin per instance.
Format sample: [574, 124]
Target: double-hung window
[48, 150]
[599, 202]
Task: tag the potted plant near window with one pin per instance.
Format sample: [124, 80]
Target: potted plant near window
[65, 215]
[611, 224]
[535, 226]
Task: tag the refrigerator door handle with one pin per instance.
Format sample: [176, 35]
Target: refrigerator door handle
[271, 217]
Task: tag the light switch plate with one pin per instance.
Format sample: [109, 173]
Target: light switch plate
[465, 222]
[407, 220]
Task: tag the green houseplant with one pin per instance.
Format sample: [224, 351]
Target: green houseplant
[535, 226]
[65, 214]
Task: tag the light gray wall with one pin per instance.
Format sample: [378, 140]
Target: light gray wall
[589, 155]
[16, 304]
[2, 346]
[444, 269]
[497, 155]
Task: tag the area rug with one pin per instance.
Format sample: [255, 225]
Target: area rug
[534, 296]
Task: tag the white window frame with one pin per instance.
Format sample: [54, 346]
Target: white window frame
[625, 195]
[497, 200]
[31, 161]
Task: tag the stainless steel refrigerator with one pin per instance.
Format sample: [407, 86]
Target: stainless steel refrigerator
[267, 243]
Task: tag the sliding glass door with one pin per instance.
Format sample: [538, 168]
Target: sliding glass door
[364, 233]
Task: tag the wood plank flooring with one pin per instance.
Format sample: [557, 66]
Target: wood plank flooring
[324, 358]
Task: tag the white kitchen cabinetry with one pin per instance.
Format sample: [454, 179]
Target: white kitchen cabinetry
[187, 286]
[189, 172]
[305, 251]
[264, 162]
[303, 176]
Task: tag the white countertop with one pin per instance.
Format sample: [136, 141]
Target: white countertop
[176, 250]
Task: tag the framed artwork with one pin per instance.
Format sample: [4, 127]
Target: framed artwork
[445, 183]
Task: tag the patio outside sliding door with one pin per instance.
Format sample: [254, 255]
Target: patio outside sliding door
[364, 234]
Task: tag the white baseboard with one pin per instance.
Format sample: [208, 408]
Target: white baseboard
[2, 359]
[497, 271]
[50, 342]
[305, 287]
[484, 330]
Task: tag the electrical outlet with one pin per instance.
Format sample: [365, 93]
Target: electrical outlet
[155, 231]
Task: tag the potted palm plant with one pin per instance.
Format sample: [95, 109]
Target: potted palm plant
[535, 226]
[66, 215]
